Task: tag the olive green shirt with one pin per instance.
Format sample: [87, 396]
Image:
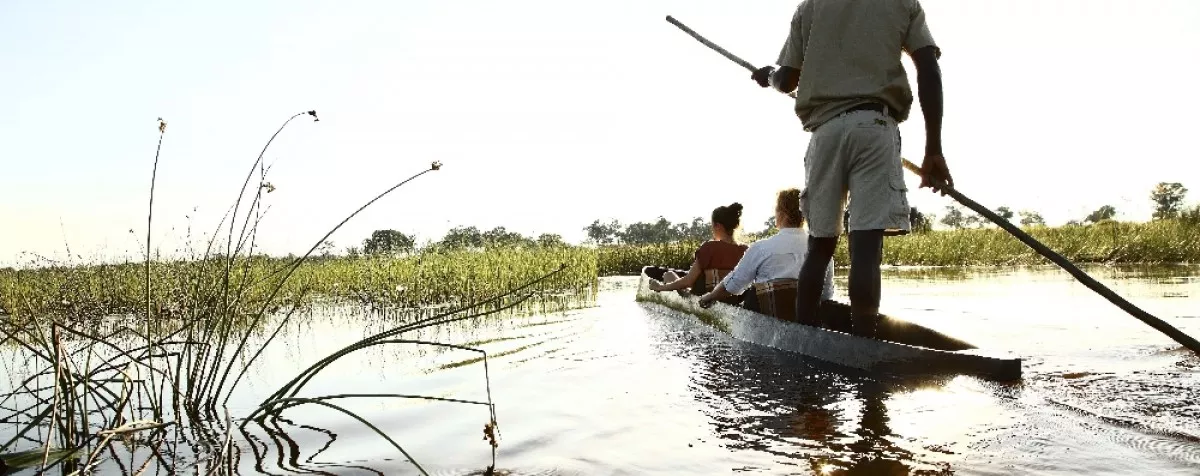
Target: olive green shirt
[848, 53]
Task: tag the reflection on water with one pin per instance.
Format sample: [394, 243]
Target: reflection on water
[800, 412]
[630, 389]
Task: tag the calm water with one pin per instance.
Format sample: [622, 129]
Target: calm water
[626, 388]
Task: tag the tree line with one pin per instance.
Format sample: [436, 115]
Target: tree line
[1168, 201]
[662, 230]
[644, 233]
[383, 242]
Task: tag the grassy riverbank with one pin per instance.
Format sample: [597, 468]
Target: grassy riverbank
[461, 276]
[178, 287]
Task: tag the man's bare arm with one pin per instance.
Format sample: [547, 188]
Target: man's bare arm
[929, 91]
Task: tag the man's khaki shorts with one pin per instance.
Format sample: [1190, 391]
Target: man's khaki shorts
[856, 153]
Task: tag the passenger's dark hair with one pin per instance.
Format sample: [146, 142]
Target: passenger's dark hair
[788, 202]
[729, 216]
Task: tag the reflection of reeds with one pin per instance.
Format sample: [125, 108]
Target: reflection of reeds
[286, 397]
[157, 385]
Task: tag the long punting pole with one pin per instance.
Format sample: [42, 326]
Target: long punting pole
[1162, 326]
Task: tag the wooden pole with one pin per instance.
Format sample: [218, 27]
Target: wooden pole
[718, 49]
[1162, 326]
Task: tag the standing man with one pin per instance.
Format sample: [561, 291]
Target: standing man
[841, 61]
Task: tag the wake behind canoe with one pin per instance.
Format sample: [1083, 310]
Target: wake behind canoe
[901, 346]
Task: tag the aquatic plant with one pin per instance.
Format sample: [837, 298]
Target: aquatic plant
[157, 377]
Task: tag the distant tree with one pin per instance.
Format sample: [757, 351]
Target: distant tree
[603, 233]
[973, 220]
[462, 237]
[387, 242]
[1168, 198]
[550, 240]
[1190, 215]
[353, 251]
[325, 249]
[697, 230]
[919, 222]
[769, 228]
[641, 233]
[1106, 212]
[1004, 213]
[1029, 218]
[954, 217]
[499, 236]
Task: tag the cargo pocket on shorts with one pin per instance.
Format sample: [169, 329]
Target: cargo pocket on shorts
[899, 202]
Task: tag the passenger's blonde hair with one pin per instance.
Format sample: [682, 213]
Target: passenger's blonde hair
[788, 202]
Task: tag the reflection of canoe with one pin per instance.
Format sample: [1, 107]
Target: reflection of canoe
[901, 347]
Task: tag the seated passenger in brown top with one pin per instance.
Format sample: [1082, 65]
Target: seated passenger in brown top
[713, 260]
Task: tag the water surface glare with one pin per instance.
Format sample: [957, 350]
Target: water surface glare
[629, 388]
[626, 388]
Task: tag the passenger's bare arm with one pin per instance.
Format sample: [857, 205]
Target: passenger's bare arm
[682, 283]
[716, 294]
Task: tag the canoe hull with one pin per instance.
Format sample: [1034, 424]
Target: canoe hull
[841, 348]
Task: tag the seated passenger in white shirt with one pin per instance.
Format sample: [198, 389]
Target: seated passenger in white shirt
[772, 266]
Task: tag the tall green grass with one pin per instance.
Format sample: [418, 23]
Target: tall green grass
[433, 278]
[1160, 241]
[629, 259]
[455, 277]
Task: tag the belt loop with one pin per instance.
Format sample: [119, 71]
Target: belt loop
[886, 111]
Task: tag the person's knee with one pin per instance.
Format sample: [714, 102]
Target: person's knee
[866, 245]
[822, 247]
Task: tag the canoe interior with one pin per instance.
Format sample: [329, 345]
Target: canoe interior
[892, 329]
[900, 346]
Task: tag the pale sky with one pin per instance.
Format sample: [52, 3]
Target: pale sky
[546, 114]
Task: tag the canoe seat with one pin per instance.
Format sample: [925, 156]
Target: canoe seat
[713, 277]
[777, 298]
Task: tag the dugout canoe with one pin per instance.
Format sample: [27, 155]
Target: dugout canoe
[900, 347]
